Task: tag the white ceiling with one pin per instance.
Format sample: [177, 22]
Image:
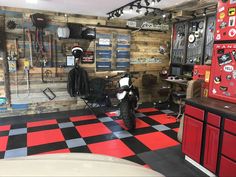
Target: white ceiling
[85, 7]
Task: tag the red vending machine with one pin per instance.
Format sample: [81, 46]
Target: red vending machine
[223, 69]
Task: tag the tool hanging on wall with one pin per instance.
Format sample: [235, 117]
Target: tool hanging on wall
[56, 63]
[30, 47]
[49, 94]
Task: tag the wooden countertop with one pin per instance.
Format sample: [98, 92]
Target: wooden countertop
[222, 108]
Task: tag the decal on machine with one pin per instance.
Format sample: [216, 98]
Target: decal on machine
[226, 93]
[218, 37]
[222, 15]
[223, 25]
[222, 88]
[224, 59]
[221, 9]
[228, 68]
[229, 77]
[232, 1]
[214, 91]
[217, 80]
[231, 11]
[232, 32]
[232, 21]
[234, 74]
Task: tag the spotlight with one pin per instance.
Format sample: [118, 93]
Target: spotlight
[146, 2]
[117, 14]
[153, 2]
[164, 15]
[138, 11]
[204, 12]
[131, 8]
[139, 5]
[147, 12]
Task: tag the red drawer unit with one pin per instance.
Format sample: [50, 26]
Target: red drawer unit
[228, 146]
[211, 148]
[227, 168]
[230, 126]
[213, 119]
[194, 112]
[192, 138]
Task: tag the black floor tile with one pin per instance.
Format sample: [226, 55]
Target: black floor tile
[99, 138]
[16, 141]
[16, 126]
[4, 133]
[135, 145]
[63, 120]
[99, 115]
[86, 122]
[81, 149]
[70, 133]
[153, 113]
[173, 125]
[46, 148]
[113, 126]
[141, 131]
[2, 155]
[42, 128]
[171, 133]
[135, 159]
[149, 121]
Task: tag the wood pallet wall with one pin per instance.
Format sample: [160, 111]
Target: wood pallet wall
[144, 44]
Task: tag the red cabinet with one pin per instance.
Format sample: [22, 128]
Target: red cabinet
[192, 138]
[211, 148]
[227, 167]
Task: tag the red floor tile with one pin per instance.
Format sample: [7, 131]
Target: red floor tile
[92, 130]
[139, 124]
[3, 143]
[57, 151]
[44, 137]
[156, 140]
[143, 110]
[111, 114]
[81, 118]
[41, 123]
[163, 118]
[176, 129]
[114, 148]
[5, 128]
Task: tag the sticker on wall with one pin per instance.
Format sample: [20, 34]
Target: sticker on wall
[232, 21]
[226, 93]
[222, 88]
[222, 15]
[234, 74]
[229, 77]
[231, 11]
[214, 91]
[221, 9]
[232, 32]
[217, 80]
[232, 1]
[228, 68]
[224, 59]
[223, 25]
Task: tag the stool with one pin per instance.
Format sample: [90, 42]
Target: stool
[179, 96]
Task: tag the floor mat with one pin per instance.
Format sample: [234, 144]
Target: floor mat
[100, 134]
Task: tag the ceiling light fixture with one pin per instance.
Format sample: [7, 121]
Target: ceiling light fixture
[146, 2]
[153, 3]
[139, 4]
[204, 12]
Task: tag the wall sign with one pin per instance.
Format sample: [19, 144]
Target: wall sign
[88, 57]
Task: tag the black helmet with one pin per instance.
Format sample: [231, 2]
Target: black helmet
[77, 52]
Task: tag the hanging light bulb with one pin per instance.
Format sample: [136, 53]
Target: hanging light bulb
[131, 8]
[153, 3]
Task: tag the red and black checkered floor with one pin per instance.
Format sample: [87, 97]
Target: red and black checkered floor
[103, 134]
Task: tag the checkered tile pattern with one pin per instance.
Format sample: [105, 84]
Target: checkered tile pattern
[101, 134]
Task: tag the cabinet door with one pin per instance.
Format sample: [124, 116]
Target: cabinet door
[192, 138]
[227, 167]
[211, 148]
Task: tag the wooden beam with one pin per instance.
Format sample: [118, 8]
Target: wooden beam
[5, 61]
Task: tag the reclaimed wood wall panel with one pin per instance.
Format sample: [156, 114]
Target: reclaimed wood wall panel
[144, 44]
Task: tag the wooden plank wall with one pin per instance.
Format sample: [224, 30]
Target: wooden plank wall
[143, 44]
